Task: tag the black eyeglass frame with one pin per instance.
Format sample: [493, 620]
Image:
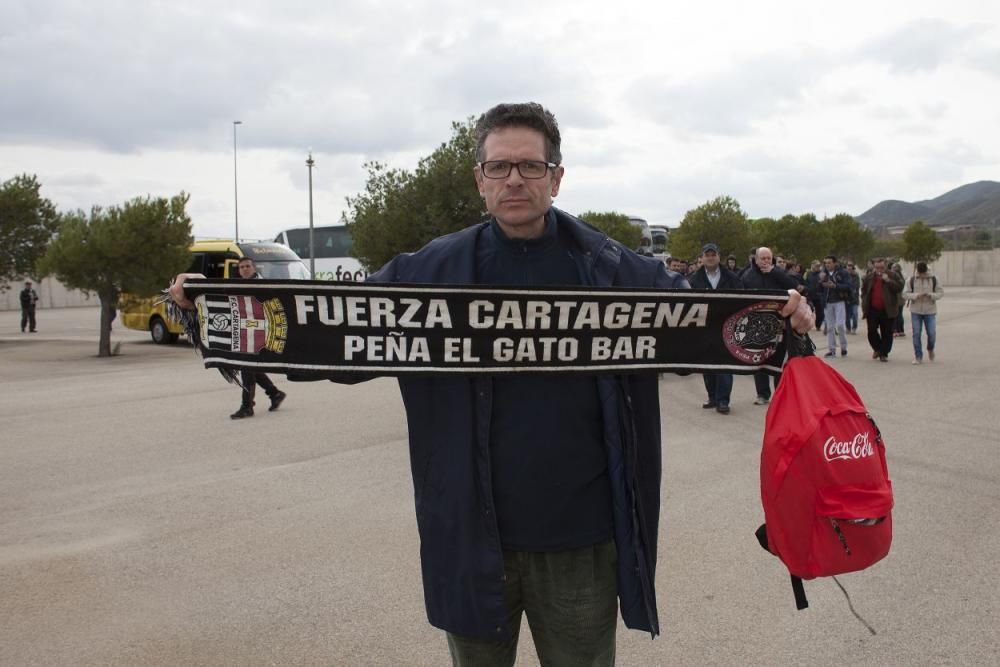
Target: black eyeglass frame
[511, 165]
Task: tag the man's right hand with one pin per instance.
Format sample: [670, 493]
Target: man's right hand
[177, 290]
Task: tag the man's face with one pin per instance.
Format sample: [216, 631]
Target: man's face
[829, 264]
[710, 260]
[27, 285]
[780, 261]
[879, 267]
[765, 259]
[675, 265]
[731, 263]
[850, 267]
[246, 269]
[518, 203]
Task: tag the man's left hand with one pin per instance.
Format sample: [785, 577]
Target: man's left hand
[797, 309]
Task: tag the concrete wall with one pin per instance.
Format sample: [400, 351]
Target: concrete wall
[965, 268]
[51, 294]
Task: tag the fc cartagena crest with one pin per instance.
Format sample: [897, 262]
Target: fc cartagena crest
[753, 334]
[241, 323]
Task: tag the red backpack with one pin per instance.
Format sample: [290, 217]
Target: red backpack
[824, 482]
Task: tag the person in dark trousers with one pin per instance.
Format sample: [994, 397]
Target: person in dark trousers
[814, 290]
[898, 330]
[854, 303]
[535, 495]
[29, 299]
[880, 300]
[763, 274]
[713, 276]
[248, 378]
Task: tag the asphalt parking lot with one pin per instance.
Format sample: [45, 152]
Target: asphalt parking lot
[140, 525]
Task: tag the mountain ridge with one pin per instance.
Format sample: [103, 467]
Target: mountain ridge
[975, 204]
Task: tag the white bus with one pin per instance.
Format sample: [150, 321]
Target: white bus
[333, 252]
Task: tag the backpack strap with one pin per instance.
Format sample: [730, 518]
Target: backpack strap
[798, 590]
[796, 344]
[800, 593]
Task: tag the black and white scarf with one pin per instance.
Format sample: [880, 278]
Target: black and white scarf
[320, 329]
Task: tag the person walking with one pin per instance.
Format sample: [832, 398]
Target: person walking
[29, 299]
[898, 325]
[836, 294]
[248, 378]
[854, 301]
[880, 299]
[713, 276]
[923, 291]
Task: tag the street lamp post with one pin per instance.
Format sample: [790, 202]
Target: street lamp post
[236, 198]
[312, 251]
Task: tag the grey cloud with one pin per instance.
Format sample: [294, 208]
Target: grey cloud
[731, 101]
[178, 74]
[921, 45]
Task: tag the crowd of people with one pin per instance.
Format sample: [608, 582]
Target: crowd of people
[840, 294]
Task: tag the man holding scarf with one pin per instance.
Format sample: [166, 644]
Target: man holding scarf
[535, 494]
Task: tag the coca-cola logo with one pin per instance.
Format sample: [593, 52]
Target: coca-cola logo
[857, 448]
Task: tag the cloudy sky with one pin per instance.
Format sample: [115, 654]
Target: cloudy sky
[787, 106]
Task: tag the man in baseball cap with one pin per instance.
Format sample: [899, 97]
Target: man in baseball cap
[712, 275]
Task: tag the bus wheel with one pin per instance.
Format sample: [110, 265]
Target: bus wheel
[160, 333]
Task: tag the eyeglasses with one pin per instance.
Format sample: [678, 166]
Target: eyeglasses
[531, 169]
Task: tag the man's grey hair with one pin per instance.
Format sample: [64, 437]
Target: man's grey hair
[529, 114]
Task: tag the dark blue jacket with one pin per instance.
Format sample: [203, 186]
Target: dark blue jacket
[449, 427]
[728, 279]
[754, 278]
[842, 290]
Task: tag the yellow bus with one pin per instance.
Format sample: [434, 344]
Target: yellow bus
[214, 259]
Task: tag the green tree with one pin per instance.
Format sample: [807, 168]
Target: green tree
[134, 248]
[849, 238]
[890, 248]
[921, 243]
[800, 236]
[400, 211]
[720, 221]
[27, 222]
[615, 225]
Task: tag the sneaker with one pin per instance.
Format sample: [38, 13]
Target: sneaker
[276, 401]
[241, 413]
[883, 359]
[916, 362]
[760, 400]
[930, 354]
[708, 405]
[843, 353]
[875, 354]
[722, 409]
[830, 355]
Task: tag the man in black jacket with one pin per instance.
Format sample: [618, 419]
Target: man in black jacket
[763, 274]
[713, 276]
[29, 297]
